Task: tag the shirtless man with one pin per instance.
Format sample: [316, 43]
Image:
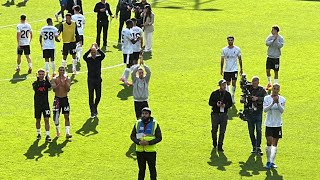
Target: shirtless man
[61, 87]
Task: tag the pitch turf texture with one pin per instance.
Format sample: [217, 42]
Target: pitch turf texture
[185, 66]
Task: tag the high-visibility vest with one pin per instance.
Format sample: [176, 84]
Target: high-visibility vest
[69, 32]
[149, 134]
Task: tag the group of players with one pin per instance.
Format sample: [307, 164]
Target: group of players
[71, 30]
[273, 104]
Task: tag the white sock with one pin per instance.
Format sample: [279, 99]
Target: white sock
[127, 73]
[80, 52]
[276, 81]
[64, 63]
[74, 64]
[273, 153]
[30, 65]
[269, 79]
[53, 66]
[228, 88]
[268, 152]
[67, 129]
[47, 133]
[38, 131]
[58, 129]
[47, 67]
[19, 65]
[233, 89]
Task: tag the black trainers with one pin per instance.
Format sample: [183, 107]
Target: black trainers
[259, 151]
[68, 136]
[254, 150]
[214, 144]
[38, 137]
[48, 138]
[220, 148]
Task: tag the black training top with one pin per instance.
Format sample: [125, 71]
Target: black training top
[102, 16]
[41, 89]
[223, 96]
[94, 64]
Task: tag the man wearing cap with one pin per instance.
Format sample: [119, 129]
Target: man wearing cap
[221, 101]
[146, 134]
[255, 115]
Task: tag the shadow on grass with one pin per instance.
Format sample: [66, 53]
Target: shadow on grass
[232, 112]
[272, 174]
[89, 128]
[124, 93]
[8, 4]
[21, 4]
[35, 151]
[118, 46]
[131, 153]
[17, 77]
[252, 166]
[219, 159]
[55, 149]
[72, 80]
[147, 55]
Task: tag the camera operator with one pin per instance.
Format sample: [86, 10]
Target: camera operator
[221, 101]
[254, 115]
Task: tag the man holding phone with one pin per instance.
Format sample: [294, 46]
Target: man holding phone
[221, 101]
[103, 11]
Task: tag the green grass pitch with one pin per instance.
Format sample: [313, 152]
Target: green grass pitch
[185, 61]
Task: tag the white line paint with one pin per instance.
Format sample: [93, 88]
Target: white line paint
[80, 72]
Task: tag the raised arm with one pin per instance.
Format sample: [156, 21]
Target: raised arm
[148, 75]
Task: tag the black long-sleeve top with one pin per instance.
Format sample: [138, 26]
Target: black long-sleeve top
[158, 134]
[41, 89]
[260, 92]
[70, 4]
[122, 7]
[223, 96]
[102, 16]
[94, 64]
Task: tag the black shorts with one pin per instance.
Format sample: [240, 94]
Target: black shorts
[228, 76]
[41, 109]
[82, 39]
[275, 132]
[273, 63]
[128, 59]
[69, 48]
[138, 106]
[24, 49]
[48, 53]
[61, 104]
[135, 56]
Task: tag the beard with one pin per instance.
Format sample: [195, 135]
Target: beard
[144, 119]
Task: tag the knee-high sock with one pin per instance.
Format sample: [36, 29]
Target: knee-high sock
[53, 66]
[47, 67]
[64, 63]
[126, 74]
[74, 64]
[228, 88]
[233, 89]
[56, 115]
[273, 153]
[268, 152]
[79, 52]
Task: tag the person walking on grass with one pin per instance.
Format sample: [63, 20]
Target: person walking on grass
[273, 106]
[41, 103]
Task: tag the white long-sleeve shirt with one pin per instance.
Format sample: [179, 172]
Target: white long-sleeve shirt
[273, 111]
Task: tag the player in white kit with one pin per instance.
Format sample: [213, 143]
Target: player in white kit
[137, 47]
[80, 21]
[48, 34]
[24, 36]
[230, 54]
[127, 50]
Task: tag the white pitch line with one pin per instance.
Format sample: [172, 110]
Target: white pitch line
[80, 72]
[30, 22]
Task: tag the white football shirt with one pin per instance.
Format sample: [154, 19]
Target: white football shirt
[25, 30]
[80, 21]
[136, 31]
[231, 56]
[273, 116]
[127, 46]
[48, 34]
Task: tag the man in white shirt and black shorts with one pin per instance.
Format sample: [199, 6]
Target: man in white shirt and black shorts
[80, 21]
[49, 33]
[127, 50]
[273, 106]
[136, 32]
[231, 53]
[24, 36]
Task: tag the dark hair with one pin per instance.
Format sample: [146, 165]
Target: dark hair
[276, 28]
[49, 20]
[230, 37]
[23, 17]
[149, 10]
[134, 20]
[77, 8]
[68, 14]
[128, 22]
